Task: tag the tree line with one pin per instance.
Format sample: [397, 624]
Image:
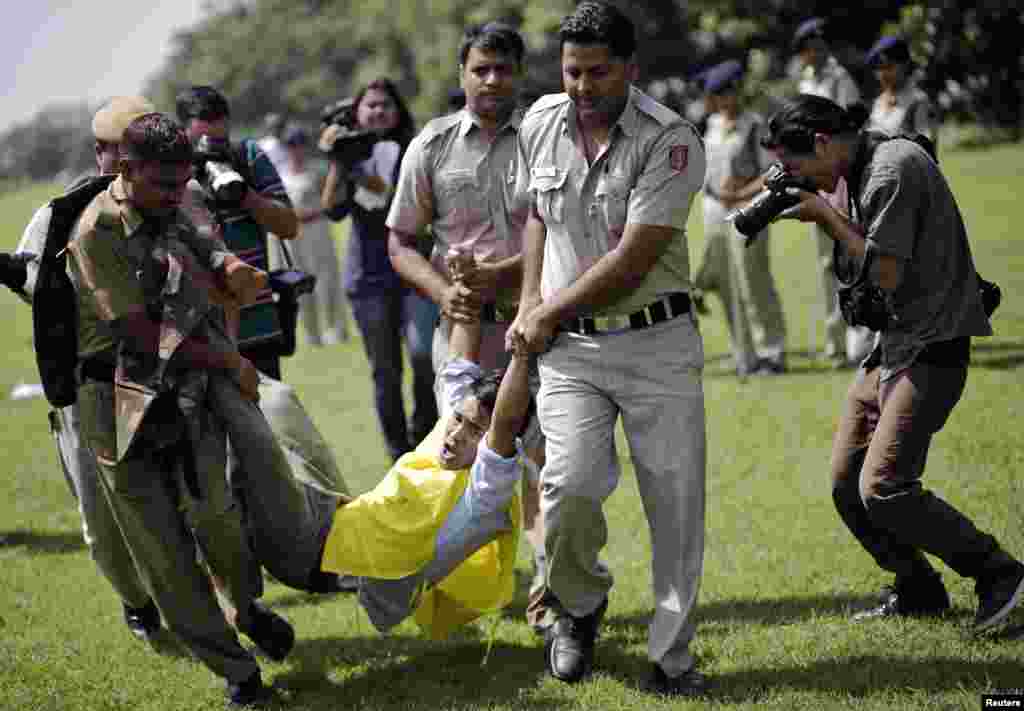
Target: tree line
[296, 56]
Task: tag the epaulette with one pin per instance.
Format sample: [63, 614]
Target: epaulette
[439, 126]
[547, 102]
[659, 112]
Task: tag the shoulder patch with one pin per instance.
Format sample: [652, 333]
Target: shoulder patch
[659, 112]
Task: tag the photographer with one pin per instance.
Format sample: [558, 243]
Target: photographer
[907, 270]
[257, 204]
[365, 142]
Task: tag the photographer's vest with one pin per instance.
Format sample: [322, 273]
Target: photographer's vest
[54, 302]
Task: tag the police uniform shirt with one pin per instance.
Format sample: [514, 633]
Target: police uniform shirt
[830, 81]
[937, 299]
[890, 114]
[648, 175]
[733, 151]
[462, 185]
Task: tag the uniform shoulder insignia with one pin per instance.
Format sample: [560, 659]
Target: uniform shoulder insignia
[439, 127]
[547, 102]
[659, 112]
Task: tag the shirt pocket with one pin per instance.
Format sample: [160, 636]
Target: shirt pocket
[97, 419]
[458, 193]
[548, 183]
[611, 206]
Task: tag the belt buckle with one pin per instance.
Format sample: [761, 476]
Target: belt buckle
[603, 324]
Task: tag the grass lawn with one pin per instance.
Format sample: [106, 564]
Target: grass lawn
[781, 572]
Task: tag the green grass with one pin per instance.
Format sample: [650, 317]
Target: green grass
[781, 573]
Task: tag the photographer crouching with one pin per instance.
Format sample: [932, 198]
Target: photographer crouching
[905, 270]
[244, 199]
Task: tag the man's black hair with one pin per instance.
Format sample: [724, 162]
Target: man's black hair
[156, 137]
[794, 125]
[201, 102]
[485, 390]
[496, 37]
[596, 22]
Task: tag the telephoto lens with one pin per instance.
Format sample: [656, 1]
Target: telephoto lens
[751, 219]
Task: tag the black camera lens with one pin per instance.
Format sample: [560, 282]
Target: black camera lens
[756, 215]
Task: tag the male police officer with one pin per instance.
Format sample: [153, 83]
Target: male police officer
[149, 342]
[99, 529]
[611, 174]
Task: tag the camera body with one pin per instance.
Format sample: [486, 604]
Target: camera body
[348, 144]
[217, 173]
[753, 217]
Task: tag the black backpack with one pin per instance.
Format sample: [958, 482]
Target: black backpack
[54, 302]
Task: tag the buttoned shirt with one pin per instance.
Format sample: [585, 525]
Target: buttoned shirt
[734, 151]
[652, 167]
[831, 81]
[909, 110]
[462, 184]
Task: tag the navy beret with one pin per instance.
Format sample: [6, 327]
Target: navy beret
[889, 49]
[814, 27]
[722, 75]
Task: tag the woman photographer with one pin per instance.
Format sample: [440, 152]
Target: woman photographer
[906, 252]
[384, 308]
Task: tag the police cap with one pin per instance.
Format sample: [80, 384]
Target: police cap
[808, 29]
[890, 49]
[723, 76]
[112, 119]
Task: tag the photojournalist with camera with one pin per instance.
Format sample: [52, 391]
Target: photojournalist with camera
[364, 137]
[244, 199]
[904, 264]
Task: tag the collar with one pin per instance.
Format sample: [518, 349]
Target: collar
[468, 121]
[131, 218]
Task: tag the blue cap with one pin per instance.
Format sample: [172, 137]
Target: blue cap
[722, 76]
[891, 49]
[814, 27]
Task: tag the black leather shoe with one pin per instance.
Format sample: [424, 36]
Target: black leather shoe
[690, 683]
[249, 693]
[569, 648]
[923, 596]
[144, 622]
[272, 633]
[997, 596]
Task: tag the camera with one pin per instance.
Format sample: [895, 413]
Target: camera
[753, 217]
[216, 172]
[348, 143]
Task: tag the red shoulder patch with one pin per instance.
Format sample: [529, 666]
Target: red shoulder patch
[678, 156]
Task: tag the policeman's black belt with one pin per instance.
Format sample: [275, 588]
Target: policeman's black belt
[664, 309]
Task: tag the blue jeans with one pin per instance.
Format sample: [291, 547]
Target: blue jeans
[383, 320]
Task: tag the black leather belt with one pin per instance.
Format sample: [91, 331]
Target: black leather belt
[664, 309]
[96, 369]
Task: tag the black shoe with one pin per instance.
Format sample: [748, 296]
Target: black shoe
[569, 648]
[690, 683]
[771, 366]
[997, 596]
[144, 622]
[332, 583]
[272, 633]
[249, 693]
[923, 596]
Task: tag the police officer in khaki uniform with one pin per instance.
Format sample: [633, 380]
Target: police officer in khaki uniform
[99, 529]
[612, 174]
[823, 75]
[149, 342]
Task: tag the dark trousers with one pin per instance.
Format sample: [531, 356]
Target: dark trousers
[383, 320]
[878, 457]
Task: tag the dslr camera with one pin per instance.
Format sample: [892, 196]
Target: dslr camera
[215, 170]
[753, 217]
[347, 144]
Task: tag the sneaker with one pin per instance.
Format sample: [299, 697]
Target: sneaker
[144, 622]
[569, 646]
[690, 683]
[272, 633]
[910, 597]
[249, 693]
[997, 596]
